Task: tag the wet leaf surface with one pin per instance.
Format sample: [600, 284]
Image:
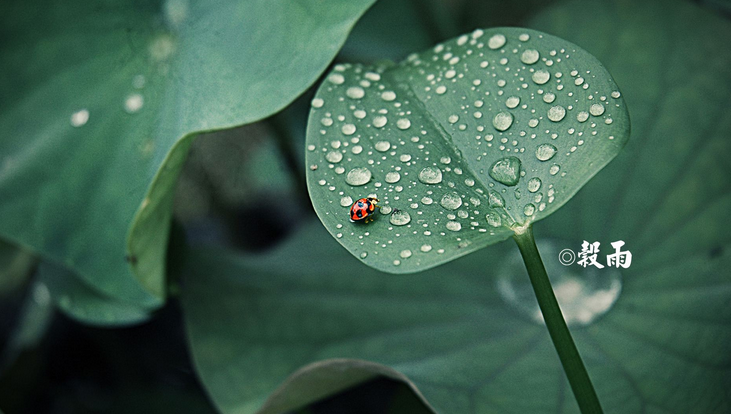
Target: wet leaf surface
[484, 133]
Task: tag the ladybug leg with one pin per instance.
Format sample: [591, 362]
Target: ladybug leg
[368, 219]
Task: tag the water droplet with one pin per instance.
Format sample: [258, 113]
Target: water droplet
[364, 255]
[336, 79]
[425, 248]
[334, 157]
[582, 116]
[454, 226]
[529, 209]
[451, 201]
[512, 102]
[80, 118]
[495, 200]
[388, 96]
[358, 176]
[506, 171]
[450, 74]
[355, 92]
[405, 254]
[549, 97]
[348, 129]
[545, 152]
[441, 89]
[529, 56]
[493, 219]
[386, 210]
[556, 113]
[357, 149]
[540, 77]
[405, 158]
[382, 146]
[430, 175]
[596, 109]
[317, 103]
[453, 119]
[445, 160]
[379, 121]
[615, 94]
[534, 184]
[496, 41]
[134, 103]
[346, 201]
[400, 218]
[393, 177]
[554, 169]
[524, 37]
[502, 121]
[403, 123]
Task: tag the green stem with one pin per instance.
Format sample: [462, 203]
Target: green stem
[560, 335]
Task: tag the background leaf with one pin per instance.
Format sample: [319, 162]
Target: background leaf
[96, 99]
[492, 130]
[82, 302]
[663, 346]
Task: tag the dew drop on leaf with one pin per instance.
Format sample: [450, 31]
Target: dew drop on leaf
[534, 184]
[400, 218]
[430, 175]
[346, 201]
[502, 121]
[556, 113]
[545, 152]
[451, 201]
[506, 171]
[358, 176]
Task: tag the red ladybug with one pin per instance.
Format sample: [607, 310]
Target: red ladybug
[363, 209]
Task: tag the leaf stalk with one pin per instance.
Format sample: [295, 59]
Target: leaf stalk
[560, 335]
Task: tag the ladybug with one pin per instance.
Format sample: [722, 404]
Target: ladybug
[363, 209]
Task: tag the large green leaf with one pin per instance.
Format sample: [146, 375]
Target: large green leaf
[463, 144]
[77, 299]
[455, 331]
[99, 100]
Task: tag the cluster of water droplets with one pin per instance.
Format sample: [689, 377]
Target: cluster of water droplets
[458, 178]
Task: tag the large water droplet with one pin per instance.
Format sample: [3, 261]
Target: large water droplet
[380, 121]
[454, 226]
[400, 218]
[355, 92]
[534, 184]
[451, 201]
[529, 56]
[388, 96]
[403, 123]
[346, 201]
[430, 175]
[334, 157]
[382, 146]
[529, 209]
[596, 109]
[496, 41]
[336, 79]
[556, 113]
[495, 200]
[541, 76]
[545, 152]
[493, 219]
[506, 171]
[393, 177]
[502, 121]
[348, 129]
[512, 102]
[358, 176]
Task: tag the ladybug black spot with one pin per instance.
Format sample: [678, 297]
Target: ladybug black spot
[360, 204]
[359, 213]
